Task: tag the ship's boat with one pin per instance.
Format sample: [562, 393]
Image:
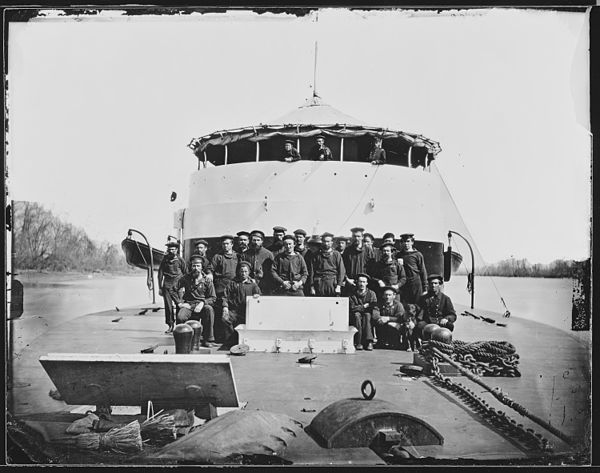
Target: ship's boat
[138, 254]
[242, 182]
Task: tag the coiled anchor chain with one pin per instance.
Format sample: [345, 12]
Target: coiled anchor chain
[527, 437]
[485, 358]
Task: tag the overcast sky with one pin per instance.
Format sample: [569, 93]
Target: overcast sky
[102, 108]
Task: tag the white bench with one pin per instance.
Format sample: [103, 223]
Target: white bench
[297, 325]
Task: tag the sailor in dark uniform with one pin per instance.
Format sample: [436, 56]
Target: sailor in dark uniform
[290, 154]
[197, 301]
[171, 269]
[224, 266]
[388, 272]
[277, 245]
[320, 152]
[363, 308]
[341, 242]
[390, 322]
[261, 262]
[369, 241]
[300, 242]
[234, 302]
[243, 242]
[201, 249]
[326, 272]
[377, 154]
[414, 266]
[435, 306]
[357, 259]
[289, 270]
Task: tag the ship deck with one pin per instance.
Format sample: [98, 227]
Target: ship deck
[555, 386]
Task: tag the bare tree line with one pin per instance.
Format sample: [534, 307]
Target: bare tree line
[43, 242]
[513, 267]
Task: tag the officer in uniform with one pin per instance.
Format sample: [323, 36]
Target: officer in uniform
[290, 154]
[234, 302]
[435, 306]
[289, 270]
[171, 269]
[320, 152]
[197, 301]
[277, 245]
[414, 266]
[327, 272]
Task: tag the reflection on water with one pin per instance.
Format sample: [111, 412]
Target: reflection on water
[544, 300]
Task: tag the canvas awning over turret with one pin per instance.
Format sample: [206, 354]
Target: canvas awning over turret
[311, 119]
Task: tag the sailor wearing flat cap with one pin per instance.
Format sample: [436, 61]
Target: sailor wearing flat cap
[357, 259]
[300, 242]
[243, 242]
[341, 242]
[171, 269]
[435, 306]
[414, 267]
[320, 152]
[377, 154]
[290, 154]
[389, 324]
[326, 270]
[261, 261]
[234, 302]
[289, 270]
[363, 309]
[277, 245]
[197, 300]
[224, 266]
[201, 248]
[388, 271]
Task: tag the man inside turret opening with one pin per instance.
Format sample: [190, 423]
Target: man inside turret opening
[290, 154]
[326, 272]
[435, 307]
[363, 309]
[171, 269]
[197, 301]
[414, 265]
[277, 245]
[320, 152]
[234, 302]
[289, 270]
[377, 154]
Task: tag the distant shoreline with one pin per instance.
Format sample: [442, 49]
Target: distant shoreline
[32, 276]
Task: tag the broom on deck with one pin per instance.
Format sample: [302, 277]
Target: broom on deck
[123, 439]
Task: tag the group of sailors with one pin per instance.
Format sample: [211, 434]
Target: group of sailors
[389, 291]
[321, 152]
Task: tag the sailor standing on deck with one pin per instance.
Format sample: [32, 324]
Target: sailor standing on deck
[327, 272]
[196, 303]
[369, 242]
[224, 266]
[300, 242]
[320, 152]
[234, 302]
[243, 243]
[388, 271]
[435, 306]
[414, 266]
[289, 270]
[363, 308]
[277, 245]
[290, 154]
[357, 258]
[171, 269]
[341, 242]
[261, 262]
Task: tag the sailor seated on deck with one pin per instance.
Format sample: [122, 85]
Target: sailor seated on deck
[435, 307]
[395, 324]
[290, 154]
[363, 309]
[234, 302]
[197, 300]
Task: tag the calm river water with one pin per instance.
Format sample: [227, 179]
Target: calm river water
[47, 305]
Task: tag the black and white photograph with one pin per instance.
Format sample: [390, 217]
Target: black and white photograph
[325, 236]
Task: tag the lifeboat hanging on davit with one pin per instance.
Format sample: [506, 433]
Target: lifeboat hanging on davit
[243, 183]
